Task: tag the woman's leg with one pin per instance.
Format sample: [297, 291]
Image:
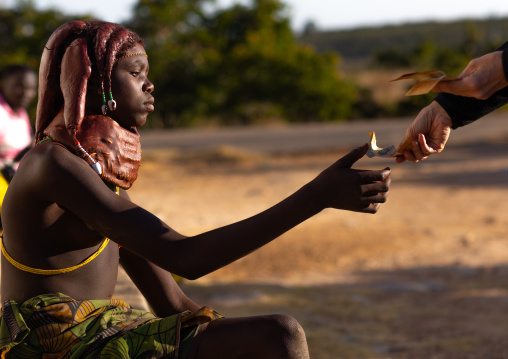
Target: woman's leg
[267, 336]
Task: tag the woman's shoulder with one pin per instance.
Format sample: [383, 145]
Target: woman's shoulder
[47, 164]
[49, 156]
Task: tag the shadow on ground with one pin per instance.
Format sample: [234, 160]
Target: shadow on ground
[440, 312]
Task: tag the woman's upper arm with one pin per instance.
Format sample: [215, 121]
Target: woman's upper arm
[70, 182]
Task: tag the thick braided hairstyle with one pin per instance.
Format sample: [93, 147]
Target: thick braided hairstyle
[75, 51]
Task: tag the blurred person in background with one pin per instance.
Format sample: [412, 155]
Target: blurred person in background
[480, 89]
[18, 85]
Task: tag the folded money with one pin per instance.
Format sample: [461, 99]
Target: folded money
[426, 81]
[389, 151]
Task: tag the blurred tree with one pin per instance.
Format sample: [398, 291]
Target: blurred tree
[178, 53]
[262, 64]
[424, 56]
[429, 55]
[473, 40]
[238, 64]
[391, 57]
[24, 31]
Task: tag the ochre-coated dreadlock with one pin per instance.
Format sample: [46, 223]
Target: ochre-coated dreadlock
[99, 45]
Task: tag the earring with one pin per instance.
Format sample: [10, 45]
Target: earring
[111, 102]
[104, 107]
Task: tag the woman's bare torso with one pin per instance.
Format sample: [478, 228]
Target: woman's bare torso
[40, 233]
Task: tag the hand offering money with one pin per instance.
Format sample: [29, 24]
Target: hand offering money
[426, 81]
[389, 151]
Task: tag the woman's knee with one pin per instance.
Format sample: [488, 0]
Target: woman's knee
[267, 336]
[287, 337]
[287, 326]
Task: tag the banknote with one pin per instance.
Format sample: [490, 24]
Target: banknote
[426, 81]
[389, 151]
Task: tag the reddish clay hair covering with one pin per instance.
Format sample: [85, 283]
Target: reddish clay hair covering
[72, 54]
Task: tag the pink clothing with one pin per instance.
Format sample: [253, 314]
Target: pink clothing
[15, 132]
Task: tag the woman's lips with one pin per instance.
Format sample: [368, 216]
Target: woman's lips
[149, 105]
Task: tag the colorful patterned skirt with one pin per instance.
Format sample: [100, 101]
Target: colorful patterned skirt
[56, 326]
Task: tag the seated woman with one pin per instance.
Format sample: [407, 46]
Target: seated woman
[68, 222]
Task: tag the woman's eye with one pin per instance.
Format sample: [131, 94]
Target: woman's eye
[135, 73]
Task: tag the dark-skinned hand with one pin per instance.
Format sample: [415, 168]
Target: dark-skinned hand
[342, 187]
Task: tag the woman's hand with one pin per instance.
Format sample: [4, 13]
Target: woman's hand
[341, 187]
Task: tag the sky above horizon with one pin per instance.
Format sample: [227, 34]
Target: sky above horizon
[326, 14]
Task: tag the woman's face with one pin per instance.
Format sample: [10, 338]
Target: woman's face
[19, 89]
[131, 89]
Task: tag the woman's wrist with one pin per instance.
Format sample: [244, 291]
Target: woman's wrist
[311, 195]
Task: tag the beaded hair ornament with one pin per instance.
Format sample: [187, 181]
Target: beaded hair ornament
[71, 53]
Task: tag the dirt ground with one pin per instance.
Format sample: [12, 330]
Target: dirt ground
[425, 277]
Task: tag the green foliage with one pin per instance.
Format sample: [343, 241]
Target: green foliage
[173, 36]
[24, 31]
[239, 64]
[425, 55]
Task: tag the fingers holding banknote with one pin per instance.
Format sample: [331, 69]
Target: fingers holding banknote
[481, 78]
[430, 131]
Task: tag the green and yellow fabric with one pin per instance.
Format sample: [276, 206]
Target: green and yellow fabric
[57, 326]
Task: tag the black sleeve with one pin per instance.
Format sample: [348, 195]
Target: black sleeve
[464, 110]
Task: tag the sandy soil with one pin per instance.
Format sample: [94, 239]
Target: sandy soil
[425, 277]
